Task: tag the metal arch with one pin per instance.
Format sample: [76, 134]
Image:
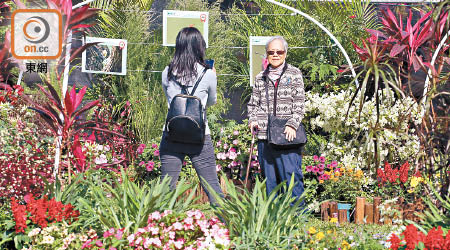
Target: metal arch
[324, 29]
[427, 80]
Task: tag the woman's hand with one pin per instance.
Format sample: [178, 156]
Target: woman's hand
[290, 133]
[253, 126]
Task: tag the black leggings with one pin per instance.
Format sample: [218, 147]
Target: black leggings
[203, 161]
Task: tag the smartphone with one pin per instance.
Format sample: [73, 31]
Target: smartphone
[209, 63]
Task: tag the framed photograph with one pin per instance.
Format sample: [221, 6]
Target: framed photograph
[175, 20]
[109, 56]
[257, 55]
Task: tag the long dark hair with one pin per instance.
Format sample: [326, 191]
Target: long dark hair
[189, 50]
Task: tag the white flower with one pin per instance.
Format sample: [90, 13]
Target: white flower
[48, 240]
[34, 232]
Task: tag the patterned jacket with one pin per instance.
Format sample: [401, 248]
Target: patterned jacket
[290, 99]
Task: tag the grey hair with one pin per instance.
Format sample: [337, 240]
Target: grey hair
[285, 44]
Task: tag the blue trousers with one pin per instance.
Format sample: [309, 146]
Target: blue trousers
[279, 165]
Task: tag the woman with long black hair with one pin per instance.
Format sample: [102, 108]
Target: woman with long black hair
[185, 69]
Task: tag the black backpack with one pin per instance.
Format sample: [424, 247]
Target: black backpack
[186, 118]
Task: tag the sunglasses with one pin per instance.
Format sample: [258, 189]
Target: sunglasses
[279, 52]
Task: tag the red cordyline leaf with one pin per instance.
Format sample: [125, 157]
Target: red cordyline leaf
[376, 33]
[396, 49]
[79, 154]
[68, 102]
[78, 97]
[362, 53]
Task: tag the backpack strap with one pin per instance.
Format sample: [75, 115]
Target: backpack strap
[198, 81]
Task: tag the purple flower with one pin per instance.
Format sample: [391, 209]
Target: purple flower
[309, 168]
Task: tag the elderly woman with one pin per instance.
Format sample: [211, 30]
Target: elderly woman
[285, 89]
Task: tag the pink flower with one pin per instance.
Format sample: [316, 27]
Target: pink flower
[334, 164]
[156, 153]
[112, 248]
[154, 145]
[119, 233]
[147, 243]
[154, 216]
[321, 167]
[225, 146]
[172, 235]
[179, 243]
[154, 230]
[86, 244]
[141, 148]
[316, 158]
[165, 213]
[309, 168]
[141, 163]
[232, 155]
[235, 132]
[138, 241]
[150, 165]
[235, 142]
[177, 226]
[322, 159]
[130, 238]
[99, 243]
[108, 233]
[219, 143]
[316, 170]
[218, 167]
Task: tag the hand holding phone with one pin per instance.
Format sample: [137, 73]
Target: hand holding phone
[209, 63]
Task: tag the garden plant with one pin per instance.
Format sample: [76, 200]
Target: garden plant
[80, 168]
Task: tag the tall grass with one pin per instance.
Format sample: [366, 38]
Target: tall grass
[258, 221]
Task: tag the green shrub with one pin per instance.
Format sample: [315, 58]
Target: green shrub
[258, 221]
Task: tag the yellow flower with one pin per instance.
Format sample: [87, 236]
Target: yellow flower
[410, 190]
[345, 245]
[312, 230]
[337, 174]
[327, 172]
[333, 220]
[349, 170]
[329, 232]
[414, 181]
[320, 236]
[320, 181]
[359, 173]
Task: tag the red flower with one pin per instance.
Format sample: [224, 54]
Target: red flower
[352, 17]
[404, 172]
[434, 239]
[20, 215]
[417, 174]
[381, 176]
[412, 237]
[395, 242]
